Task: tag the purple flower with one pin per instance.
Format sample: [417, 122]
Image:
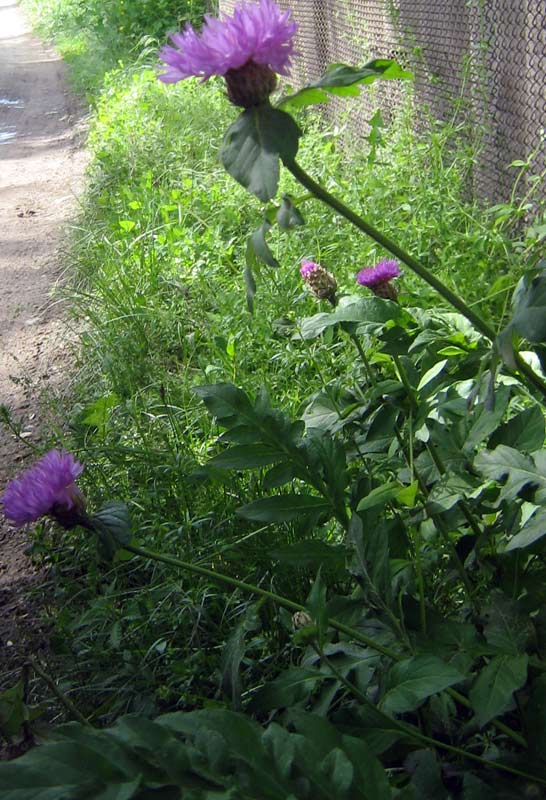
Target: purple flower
[383, 272]
[258, 31]
[378, 279]
[307, 267]
[321, 283]
[48, 487]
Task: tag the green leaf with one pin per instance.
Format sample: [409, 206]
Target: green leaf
[250, 284]
[288, 215]
[284, 508]
[253, 145]
[412, 680]
[380, 496]
[261, 248]
[290, 687]
[525, 431]
[517, 470]
[506, 628]
[226, 402]
[246, 456]
[127, 225]
[310, 553]
[98, 413]
[533, 530]
[370, 312]
[114, 516]
[491, 693]
[431, 374]
[232, 656]
[343, 81]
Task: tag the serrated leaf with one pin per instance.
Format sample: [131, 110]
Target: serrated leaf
[284, 508]
[492, 692]
[253, 146]
[343, 81]
[411, 681]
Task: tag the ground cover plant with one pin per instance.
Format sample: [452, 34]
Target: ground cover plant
[322, 528]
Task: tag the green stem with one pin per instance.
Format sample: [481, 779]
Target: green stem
[453, 299]
[219, 577]
[65, 701]
[411, 732]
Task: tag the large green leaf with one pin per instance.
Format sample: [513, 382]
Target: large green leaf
[492, 692]
[412, 680]
[343, 81]
[253, 146]
[528, 313]
[370, 312]
[284, 508]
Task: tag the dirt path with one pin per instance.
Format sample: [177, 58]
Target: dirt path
[41, 167]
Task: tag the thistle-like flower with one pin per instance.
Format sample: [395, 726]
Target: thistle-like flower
[47, 488]
[379, 278]
[247, 48]
[320, 282]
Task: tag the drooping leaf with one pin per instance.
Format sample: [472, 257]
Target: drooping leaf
[380, 496]
[112, 524]
[253, 146]
[343, 81]
[492, 691]
[288, 215]
[412, 680]
[259, 244]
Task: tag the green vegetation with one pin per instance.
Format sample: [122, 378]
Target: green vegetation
[432, 566]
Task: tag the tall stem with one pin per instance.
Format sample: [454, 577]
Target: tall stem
[453, 299]
[284, 602]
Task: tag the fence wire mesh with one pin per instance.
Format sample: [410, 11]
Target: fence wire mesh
[491, 56]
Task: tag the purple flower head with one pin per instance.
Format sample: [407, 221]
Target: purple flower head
[321, 283]
[307, 267]
[383, 272]
[48, 487]
[258, 35]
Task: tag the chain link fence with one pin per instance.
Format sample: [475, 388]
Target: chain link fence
[491, 56]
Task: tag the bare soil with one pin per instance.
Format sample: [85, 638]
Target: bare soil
[41, 169]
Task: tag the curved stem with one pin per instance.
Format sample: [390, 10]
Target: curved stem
[220, 577]
[453, 299]
[411, 732]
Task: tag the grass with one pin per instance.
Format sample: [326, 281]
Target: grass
[157, 291]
